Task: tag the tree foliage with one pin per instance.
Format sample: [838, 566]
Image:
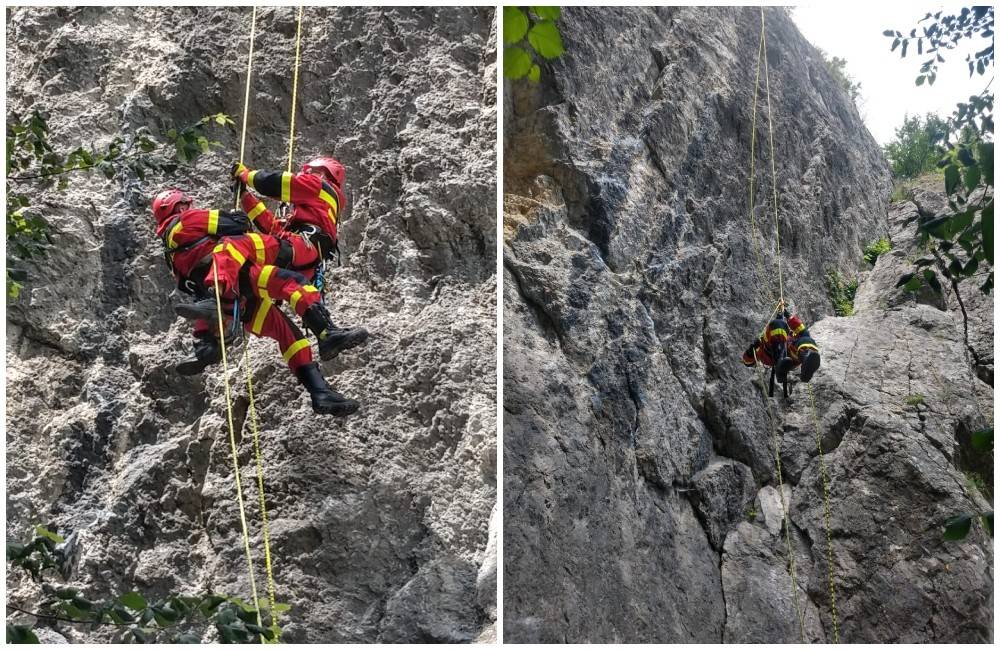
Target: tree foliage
[177, 618]
[961, 240]
[918, 145]
[33, 165]
[838, 69]
[530, 35]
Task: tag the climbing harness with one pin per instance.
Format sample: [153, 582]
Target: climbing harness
[755, 236]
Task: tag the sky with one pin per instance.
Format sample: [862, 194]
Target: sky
[854, 32]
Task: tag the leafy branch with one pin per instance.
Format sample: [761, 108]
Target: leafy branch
[134, 615]
[526, 31]
[30, 157]
[944, 33]
[958, 527]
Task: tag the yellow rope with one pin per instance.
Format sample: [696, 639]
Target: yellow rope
[755, 235]
[295, 89]
[246, 94]
[826, 517]
[232, 445]
[774, 174]
[252, 411]
[784, 508]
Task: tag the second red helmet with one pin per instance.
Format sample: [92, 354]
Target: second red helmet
[332, 167]
[166, 201]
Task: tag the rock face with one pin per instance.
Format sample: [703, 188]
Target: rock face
[379, 522]
[642, 500]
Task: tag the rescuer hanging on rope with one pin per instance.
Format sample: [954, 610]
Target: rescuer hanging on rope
[199, 242]
[784, 345]
[306, 240]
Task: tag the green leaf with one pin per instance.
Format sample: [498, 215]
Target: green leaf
[951, 178]
[515, 25]
[957, 528]
[82, 603]
[932, 280]
[516, 62]
[544, 37]
[986, 161]
[982, 440]
[143, 634]
[534, 74]
[965, 156]
[920, 80]
[546, 13]
[971, 268]
[187, 637]
[210, 603]
[133, 600]
[20, 634]
[987, 520]
[72, 611]
[281, 608]
[42, 531]
[972, 176]
[904, 280]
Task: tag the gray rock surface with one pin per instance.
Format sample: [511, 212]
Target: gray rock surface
[379, 522]
[631, 288]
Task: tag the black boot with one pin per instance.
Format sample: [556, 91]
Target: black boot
[202, 310]
[810, 364]
[332, 339]
[206, 352]
[324, 399]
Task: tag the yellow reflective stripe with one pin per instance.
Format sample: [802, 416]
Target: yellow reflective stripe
[256, 211]
[777, 332]
[286, 186]
[294, 300]
[236, 254]
[173, 231]
[807, 346]
[259, 315]
[262, 280]
[801, 327]
[333, 215]
[329, 200]
[213, 221]
[294, 349]
[250, 179]
[217, 249]
[258, 244]
[308, 288]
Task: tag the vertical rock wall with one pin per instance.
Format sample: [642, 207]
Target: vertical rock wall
[641, 497]
[379, 522]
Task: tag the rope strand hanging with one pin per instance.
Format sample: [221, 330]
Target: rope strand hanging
[755, 235]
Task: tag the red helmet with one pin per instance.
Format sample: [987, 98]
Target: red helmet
[166, 201]
[333, 168]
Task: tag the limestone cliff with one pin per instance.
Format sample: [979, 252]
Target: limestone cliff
[380, 521]
[641, 499]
